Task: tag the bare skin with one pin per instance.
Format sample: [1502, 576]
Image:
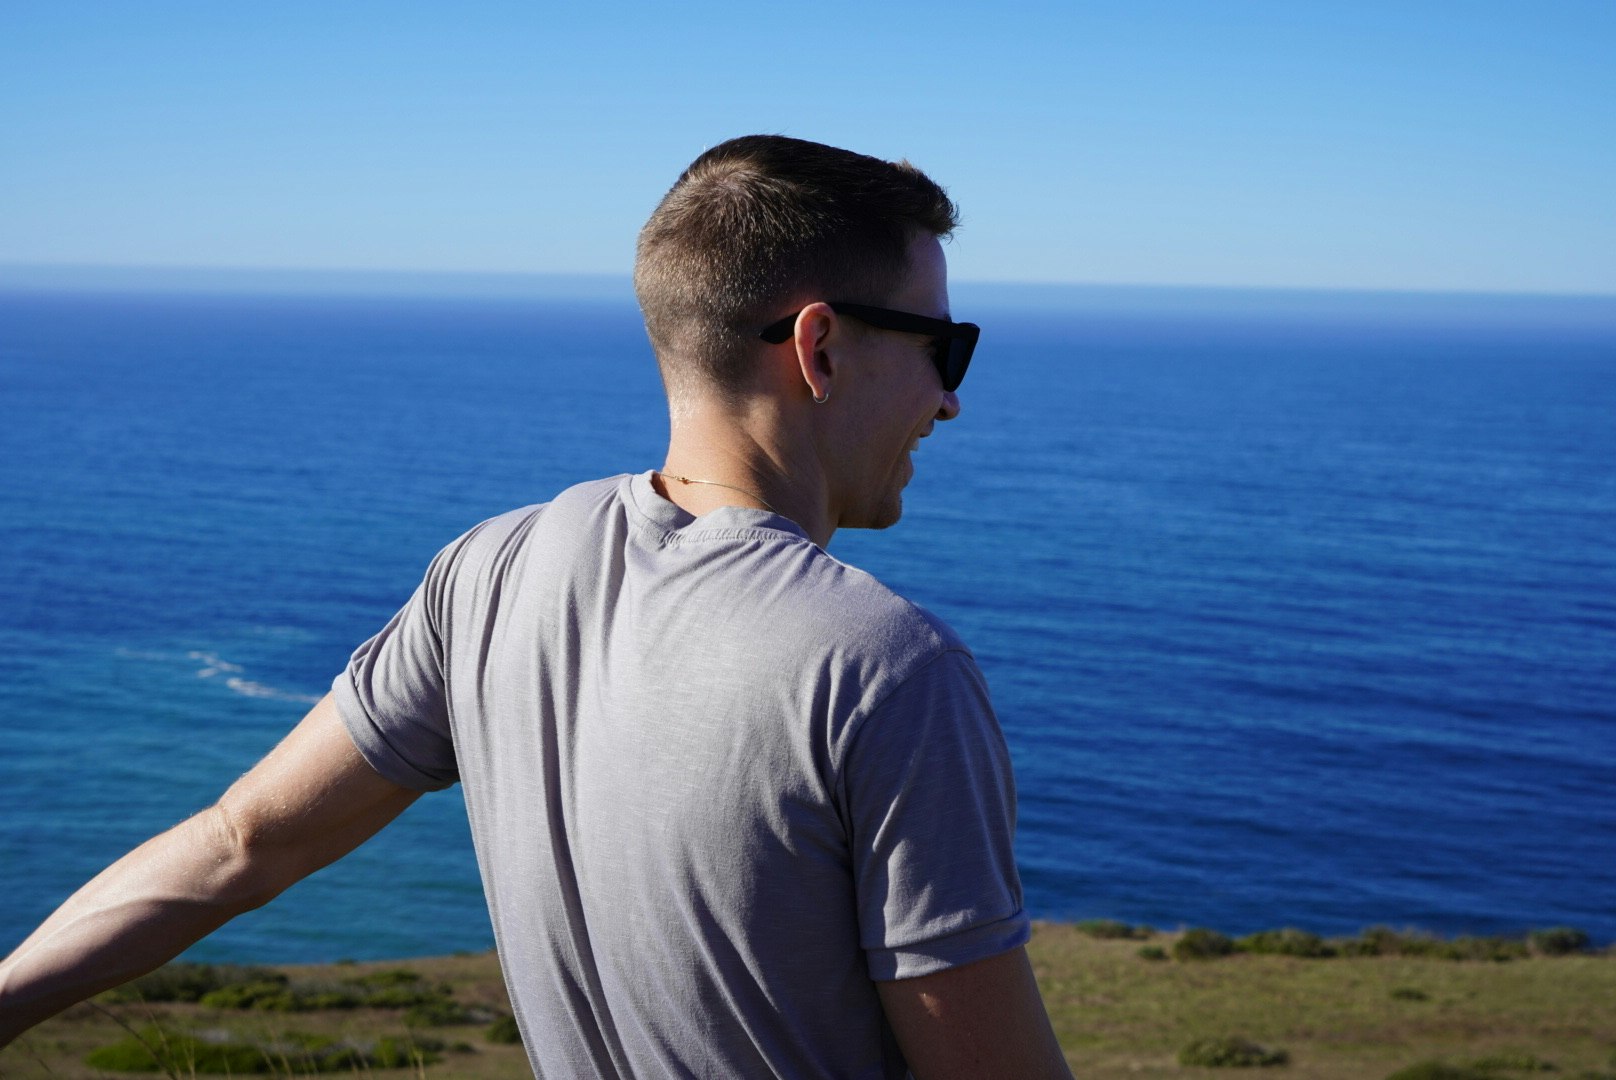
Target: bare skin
[978, 1022]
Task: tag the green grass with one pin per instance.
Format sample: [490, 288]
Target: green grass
[1340, 1017]
[1382, 1003]
[163, 1049]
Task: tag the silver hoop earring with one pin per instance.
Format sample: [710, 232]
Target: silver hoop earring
[821, 400]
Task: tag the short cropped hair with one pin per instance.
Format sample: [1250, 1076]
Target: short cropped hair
[761, 219]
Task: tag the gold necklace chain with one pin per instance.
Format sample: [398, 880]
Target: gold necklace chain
[716, 483]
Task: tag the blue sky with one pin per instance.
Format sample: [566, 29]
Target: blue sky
[1422, 145]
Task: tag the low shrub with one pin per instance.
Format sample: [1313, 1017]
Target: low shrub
[160, 1050]
[1409, 993]
[1230, 1052]
[440, 1013]
[402, 997]
[1152, 952]
[1440, 1070]
[1384, 941]
[376, 980]
[156, 1050]
[504, 1030]
[261, 994]
[1199, 943]
[275, 993]
[1558, 941]
[188, 982]
[391, 1053]
[1286, 942]
[1497, 949]
[1113, 929]
[311, 997]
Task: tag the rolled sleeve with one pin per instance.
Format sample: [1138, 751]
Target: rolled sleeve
[932, 804]
[392, 695]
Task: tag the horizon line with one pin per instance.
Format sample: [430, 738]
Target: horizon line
[171, 276]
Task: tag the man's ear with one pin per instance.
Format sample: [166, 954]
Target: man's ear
[818, 340]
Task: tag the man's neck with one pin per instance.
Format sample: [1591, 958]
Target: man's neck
[745, 455]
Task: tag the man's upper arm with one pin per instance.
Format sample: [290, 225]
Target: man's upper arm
[312, 800]
[978, 1021]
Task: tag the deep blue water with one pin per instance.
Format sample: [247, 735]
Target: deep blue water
[1297, 609]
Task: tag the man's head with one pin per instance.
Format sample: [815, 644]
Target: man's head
[760, 221]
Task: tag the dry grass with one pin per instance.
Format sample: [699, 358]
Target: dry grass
[1116, 1014]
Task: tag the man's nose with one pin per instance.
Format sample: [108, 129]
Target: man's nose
[950, 407]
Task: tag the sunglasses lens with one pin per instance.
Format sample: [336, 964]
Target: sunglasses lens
[953, 357]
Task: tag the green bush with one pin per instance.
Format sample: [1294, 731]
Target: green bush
[440, 1013]
[377, 980]
[504, 1030]
[1496, 949]
[188, 982]
[250, 995]
[183, 1055]
[1286, 942]
[1439, 1070]
[277, 997]
[1113, 929]
[1383, 941]
[1199, 943]
[1559, 941]
[402, 997]
[157, 1050]
[1230, 1052]
[1409, 993]
[1152, 952]
[391, 1053]
[382, 990]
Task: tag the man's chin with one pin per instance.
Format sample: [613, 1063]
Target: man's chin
[884, 516]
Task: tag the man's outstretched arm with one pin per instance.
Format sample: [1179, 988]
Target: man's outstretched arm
[977, 1022]
[311, 801]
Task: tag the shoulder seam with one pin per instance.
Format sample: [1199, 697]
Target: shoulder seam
[856, 725]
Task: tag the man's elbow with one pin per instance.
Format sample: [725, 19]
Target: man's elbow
[249, 871]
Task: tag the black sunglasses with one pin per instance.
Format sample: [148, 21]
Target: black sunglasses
[951, 349]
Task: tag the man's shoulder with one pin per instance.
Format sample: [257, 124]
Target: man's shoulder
[580, 499]
[858, 617]
[496, 543]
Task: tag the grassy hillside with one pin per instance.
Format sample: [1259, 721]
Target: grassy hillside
[1118, 1013]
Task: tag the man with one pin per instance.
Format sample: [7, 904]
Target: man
[739, 809]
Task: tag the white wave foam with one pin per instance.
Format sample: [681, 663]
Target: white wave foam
[213, 664]
[248, 688]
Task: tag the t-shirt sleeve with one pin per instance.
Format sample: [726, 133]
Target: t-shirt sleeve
[932, 807]
[391, 696]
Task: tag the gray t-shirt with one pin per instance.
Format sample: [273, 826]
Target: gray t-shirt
[718, 782]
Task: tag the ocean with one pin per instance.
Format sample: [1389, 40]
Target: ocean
[1298, 609]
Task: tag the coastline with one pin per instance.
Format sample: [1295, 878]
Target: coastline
[1125, 1002]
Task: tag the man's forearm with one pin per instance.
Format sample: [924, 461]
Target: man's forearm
[143, 910]
[311, 801]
